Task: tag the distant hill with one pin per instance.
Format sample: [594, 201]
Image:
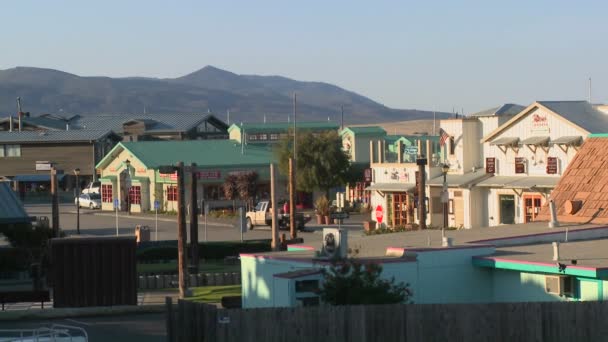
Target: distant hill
[247, 97]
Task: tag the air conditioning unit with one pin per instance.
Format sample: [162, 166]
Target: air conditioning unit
[335, 243]
[559, 285]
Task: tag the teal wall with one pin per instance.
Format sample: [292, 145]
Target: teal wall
[516, 286]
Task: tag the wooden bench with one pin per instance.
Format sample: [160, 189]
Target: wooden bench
[24, 296]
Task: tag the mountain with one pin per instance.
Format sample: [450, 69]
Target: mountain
[247, 97]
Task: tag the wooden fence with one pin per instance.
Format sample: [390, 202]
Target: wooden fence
[540, 322]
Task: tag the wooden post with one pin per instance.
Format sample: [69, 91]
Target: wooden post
[410, 208]
[421, 162]
[273, 208]
[193, 220]
[54, 203]
[181, 231]
[293, 231]
[371, 152]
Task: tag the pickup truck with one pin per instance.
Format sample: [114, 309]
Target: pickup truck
[261, 216]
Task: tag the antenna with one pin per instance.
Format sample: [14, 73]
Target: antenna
[589, 90]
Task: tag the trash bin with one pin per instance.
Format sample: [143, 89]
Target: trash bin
[142, 233]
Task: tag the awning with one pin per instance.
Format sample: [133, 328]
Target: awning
[392, 187]
[108, 179]
[568, 140]
[37, 178]
[519, 182]
[460, 181]
[535, 141]
[505, 141]
[11, 209]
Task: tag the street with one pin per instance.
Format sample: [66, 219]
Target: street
[103, 223]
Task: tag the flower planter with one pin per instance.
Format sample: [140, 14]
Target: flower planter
[369, 225]
[326, 219]
[319, 219]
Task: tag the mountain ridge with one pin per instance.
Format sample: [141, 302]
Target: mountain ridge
[209, 89]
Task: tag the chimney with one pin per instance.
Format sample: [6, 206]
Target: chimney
[10, 123]
[20, 121]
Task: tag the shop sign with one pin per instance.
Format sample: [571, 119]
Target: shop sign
[43, 166]
[367, 175]
[209, 174]
[172, 176]
[520, 165]
[540, 123]
[379, 214]
[552, 165]
[491, 165]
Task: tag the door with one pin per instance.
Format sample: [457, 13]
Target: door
[532, 205]
[458, 209]
[260, 213]
[399, 209]
[507, 209]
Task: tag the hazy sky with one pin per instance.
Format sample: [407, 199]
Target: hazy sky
[404, 54]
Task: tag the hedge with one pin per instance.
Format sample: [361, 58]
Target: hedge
[215, 250]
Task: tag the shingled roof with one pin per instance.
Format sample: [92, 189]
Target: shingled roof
[585, 180]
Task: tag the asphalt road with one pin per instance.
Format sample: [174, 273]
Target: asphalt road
[103, 223]
[122, 328]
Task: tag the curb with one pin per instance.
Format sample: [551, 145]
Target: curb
[34, 314]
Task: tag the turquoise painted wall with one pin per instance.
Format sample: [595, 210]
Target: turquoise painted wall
[515, 286]
[282, 292]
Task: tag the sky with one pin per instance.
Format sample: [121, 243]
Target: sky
[434, 55]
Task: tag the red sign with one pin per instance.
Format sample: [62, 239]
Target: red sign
[172, 176]
[379, 214]
[209, 174]
[552, 165]
[490, 165]
[520, 165]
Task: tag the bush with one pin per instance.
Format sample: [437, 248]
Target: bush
[215, 250]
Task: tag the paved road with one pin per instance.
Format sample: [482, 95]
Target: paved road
[122, 328]
[103, 223]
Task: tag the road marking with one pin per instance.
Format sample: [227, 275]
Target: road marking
[78, 322]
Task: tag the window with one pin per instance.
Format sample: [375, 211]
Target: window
[10, 150]
[252, 137]
[452, 146]
[263, 136]
[307, 285]
[106, 193]
[172, 193]
[135, 195]
[274, 136]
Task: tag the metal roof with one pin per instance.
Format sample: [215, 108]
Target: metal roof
[78, 135]
[41, 177]
[535, 141]
[155, 123]
[568, 140]
[365, 130]
[391, 187]
[205, 153]
[38, 121]
[505, 109]
[505, 141]
[11, 209]
[460, 181]
[580, 113]
[279, 127]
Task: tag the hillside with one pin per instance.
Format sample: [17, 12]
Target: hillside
[247, 97]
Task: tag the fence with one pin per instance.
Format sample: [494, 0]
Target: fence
[202, 279]
[550, 321]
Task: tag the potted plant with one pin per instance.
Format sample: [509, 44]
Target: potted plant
[322, 210]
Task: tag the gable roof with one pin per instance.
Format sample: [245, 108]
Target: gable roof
[504, 110]
[364, 130]
[579, 113]
[585, 180]
[78, 135]
[280, 127]
[11, 209]
[205, 153]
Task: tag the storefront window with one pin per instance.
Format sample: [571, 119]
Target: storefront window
[135, 195]
[106, 193]
[172, 193]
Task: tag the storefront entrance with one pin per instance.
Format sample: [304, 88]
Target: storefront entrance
[399, 209]
[532, 205]
[507, 209]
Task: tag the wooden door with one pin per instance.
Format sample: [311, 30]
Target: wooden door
[399, 209]
[532, 204]
[458, 209]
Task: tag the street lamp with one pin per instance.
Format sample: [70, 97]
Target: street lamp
[445, 197]
[77, 173]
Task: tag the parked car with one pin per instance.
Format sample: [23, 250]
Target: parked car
[91, 201]
[92, 188]
[261, 216]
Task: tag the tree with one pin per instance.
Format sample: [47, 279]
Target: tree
[350, 282]
[320, 164]
[246, 186]
[229, 187]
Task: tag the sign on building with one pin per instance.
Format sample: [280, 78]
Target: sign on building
[43, 166]
[491, 165]
[552, 165]
[520, 165]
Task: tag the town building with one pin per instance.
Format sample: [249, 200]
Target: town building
[516, 263]
[265, 133]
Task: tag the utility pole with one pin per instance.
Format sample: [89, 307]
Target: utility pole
[273, 208]
[181, 230]
[193, 220]
[54, 202]
[421, 162]
[293, 232]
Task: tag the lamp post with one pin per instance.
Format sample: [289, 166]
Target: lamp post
[445, 197]
[77, 173]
